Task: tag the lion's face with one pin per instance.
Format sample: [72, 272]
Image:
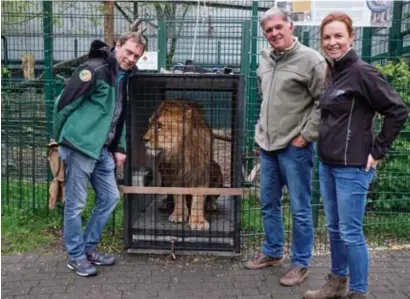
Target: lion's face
[165, 131]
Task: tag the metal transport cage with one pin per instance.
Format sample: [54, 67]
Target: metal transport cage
[183, 174]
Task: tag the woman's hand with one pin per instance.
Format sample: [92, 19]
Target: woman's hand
[371, 163]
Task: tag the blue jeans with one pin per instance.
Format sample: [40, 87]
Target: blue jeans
[79, 170]
[292, 167]
[344, 191]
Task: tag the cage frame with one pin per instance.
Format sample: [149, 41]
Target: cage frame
[235, 191]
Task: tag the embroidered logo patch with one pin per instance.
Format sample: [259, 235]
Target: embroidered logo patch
[85, 75]
[338, 93]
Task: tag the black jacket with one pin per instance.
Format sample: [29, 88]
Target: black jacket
[354, 92]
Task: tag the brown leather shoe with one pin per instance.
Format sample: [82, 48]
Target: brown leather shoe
[294, 276]
[262, 261]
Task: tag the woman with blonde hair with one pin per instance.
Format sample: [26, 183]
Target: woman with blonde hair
[348, 152]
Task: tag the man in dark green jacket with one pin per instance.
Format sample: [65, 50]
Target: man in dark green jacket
[89, 126]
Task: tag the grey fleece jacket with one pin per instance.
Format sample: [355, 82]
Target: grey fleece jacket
[290, 86]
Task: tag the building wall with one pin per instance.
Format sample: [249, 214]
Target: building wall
[215, 40]
[83, 22]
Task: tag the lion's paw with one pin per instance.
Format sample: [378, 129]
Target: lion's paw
[198, 223]
[178, 217]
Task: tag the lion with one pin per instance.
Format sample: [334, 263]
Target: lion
[179, 137]
[211, 205]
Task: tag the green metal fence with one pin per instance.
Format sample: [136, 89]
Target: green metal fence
[214, 34]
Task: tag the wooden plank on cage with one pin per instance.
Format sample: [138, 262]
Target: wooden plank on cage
[181, 190]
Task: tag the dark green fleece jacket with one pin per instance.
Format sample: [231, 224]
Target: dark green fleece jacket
[84, 111]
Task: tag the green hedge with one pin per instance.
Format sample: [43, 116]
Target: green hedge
[390, 191]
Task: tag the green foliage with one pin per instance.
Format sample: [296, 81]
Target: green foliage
[381, 228]
[251, 217]
[16, 12]
[398, 75]
[391, 189]
[5, 75]
[5, 72]
[25, 229]
[387, 228]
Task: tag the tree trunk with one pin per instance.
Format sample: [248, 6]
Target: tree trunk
[108, 22]
[170, 54]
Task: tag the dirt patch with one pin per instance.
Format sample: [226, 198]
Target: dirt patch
[58, 244]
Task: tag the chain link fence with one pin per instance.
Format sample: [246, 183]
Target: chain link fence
[42, 43]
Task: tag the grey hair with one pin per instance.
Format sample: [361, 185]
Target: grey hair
[276, 11]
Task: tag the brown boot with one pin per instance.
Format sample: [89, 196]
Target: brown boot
[334, 288]
[355, 296]
[294, 276]
[262, 261]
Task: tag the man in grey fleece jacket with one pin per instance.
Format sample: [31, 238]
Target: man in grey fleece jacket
[291, 78]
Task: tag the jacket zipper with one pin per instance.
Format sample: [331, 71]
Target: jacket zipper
[267, 108]
[348, 134]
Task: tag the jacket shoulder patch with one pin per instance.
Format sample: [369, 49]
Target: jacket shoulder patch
[85, 75]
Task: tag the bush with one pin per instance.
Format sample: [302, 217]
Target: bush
[390, 190]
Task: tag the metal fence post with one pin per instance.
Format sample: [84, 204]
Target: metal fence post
[48, 63]
[162, 44]
[245, 68]
[367, 44]
[5, 79]
[395, 39]
[252, 87]
[306, 38]
[245, 71]
[298, 32]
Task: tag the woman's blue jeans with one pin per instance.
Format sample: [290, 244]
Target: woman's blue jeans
[344, 191]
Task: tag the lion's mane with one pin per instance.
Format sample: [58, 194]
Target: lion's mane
[179, 130]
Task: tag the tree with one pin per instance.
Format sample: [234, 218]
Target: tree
[175, 14]
[108, 22]
[16, 15]
[18, 12]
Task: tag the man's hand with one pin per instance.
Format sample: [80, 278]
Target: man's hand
[371, 163]
[299, 141]
[119, 159]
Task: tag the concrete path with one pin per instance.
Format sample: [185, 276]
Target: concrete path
[46, 276]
